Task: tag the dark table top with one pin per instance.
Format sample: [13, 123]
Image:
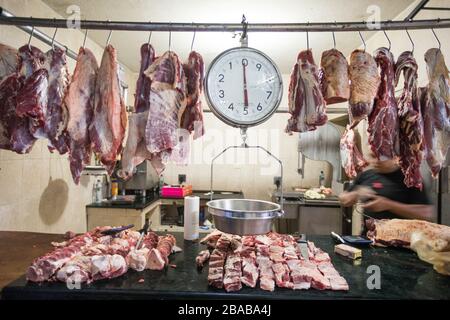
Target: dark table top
[141, 203]
[403, 276]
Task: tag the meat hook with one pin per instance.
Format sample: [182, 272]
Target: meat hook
[109, 36]
[31, 36]
[307, 38]
[389, 40]
[437, 39]
[85, 37]
[410, 39]
[362, 39]
[334, 38]
[244, 27]
[193, 39]
[53, 39]
[170, 35]
[149, 36]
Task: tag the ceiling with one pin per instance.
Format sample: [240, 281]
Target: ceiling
[281, 47]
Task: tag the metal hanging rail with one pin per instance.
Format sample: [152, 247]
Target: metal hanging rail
[225, 27]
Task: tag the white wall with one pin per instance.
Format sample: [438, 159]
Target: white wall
[36, 189]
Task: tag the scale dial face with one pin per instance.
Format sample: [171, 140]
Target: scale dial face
[243, 87]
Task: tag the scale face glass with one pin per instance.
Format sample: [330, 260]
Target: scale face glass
[243, 87]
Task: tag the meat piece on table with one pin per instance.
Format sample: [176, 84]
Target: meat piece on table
[210, 239]
[202, 258]
[76, 270]
[352, 159]
[306, 104]
[109, 123]
[79, 102]
[192, 117]
[143, 83]
[216, 268]
[233, 273]
[383, 121]
[158, 257]
[282, 277]
[364, 81]
[108, 266]
[138, 259]
[334, 80]
[250, 271]
[9, 59]
[397, 232]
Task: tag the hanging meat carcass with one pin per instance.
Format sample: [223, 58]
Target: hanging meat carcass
[32, 97]
[352, 160]
[14, 131]
[168, 102]
[79, 102]
[8, 60]
[143, 83]
[334, 80]
[306, 104]
[364, 81]
[109, 124]
[56, 115]
[383, 120]
[410, 121]
[438, 101]
[192, 118]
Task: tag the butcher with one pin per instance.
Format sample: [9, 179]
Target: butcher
[383, 195]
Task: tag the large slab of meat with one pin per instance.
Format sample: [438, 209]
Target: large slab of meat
[32, 97]
[93, 256]
[15, 132]
[364, 81]
[143, 83]
[168, 102]
[438, 103]
[352, 159]
[109, 123]
[398, 233]
[306, 104]
[410, 121]
[192, 117]
[273, 259]
[9, 58]
[383, 125]
[56, 115]
[334, 80]
[79, 102]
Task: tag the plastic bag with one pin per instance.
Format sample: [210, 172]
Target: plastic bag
[424, 249]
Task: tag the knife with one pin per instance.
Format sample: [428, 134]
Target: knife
[337, 237]
[114, 231]
[303, 244]
[143, 232]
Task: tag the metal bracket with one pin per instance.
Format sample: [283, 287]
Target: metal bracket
[245, 146]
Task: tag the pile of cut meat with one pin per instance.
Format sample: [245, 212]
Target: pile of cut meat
[93, 256]
[86, 114]
[273, 259]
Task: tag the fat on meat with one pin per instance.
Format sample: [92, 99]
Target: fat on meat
[56, 115]
[306, 104]
[79, 102]
[334, 80]
[364, 82]
[15, 132]
[109, 125]
[30, 60]
[192, 117]
[143, 83]
[9, 58]
[410, 121]
[383, 128]
[352, 159]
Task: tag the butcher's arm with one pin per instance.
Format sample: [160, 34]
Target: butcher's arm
[412, 211]
[409, 211]
[348, 199]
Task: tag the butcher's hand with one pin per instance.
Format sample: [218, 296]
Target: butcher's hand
[347, 199]
[377, 204]
[365, 193]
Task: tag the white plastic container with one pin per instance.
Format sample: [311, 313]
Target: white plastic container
[191, 216]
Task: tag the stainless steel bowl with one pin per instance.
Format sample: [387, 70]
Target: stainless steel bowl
[244, 216]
